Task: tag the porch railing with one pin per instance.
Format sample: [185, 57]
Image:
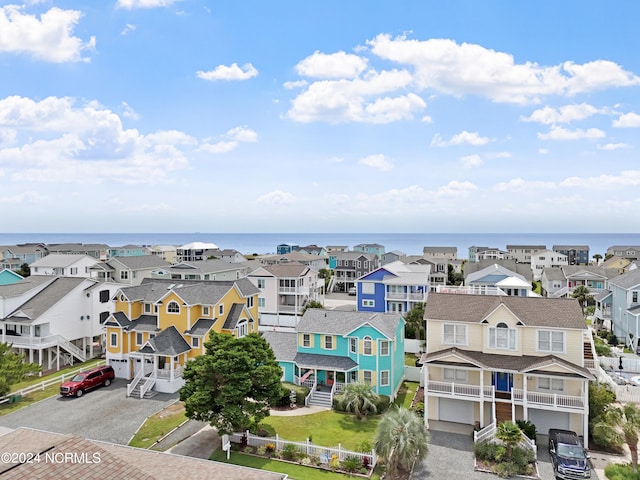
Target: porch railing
[148, 384]
[177, 373]
[553, 400]
[461, 389]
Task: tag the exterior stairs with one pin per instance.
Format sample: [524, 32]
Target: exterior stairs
[321, 399]
[503, 411]
[135, 393]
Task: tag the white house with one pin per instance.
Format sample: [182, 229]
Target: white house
[63, 265]
[546, 259]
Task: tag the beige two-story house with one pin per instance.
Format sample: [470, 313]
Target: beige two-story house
[495, 358]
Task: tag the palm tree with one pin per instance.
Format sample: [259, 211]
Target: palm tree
[581, 293]
[359, 399]
[597, 257]
[510, 434]
[621, 424]
[414, 320]
[401, 439]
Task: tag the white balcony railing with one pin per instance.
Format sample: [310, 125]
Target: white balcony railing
[550, 400]
[166, 373]
[460, 390]
[406, 296]
[294, 290]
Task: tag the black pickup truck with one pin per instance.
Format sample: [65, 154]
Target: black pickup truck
[568, 456]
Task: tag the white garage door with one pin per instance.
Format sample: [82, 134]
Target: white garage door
[459, 411]
[121, 368]
[545, 419]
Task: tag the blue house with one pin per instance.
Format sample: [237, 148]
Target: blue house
[395, 287]
[330, 349]
[9, 277]
[374, 248]
[618, 307]
[284, 248]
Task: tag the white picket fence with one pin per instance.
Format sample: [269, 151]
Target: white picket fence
[47, 383]
[624, 393]
[307, 448]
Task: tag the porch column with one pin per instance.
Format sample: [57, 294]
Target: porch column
[171, 371]
[585, 414]
[525, 406]
[57, 357]
[481, 398]
[426, 394]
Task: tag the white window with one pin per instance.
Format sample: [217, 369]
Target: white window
[261, 302]
[147, 308]
[124, 275]
[173, 307]
[221, 310]
[306, 340]
[353, 345]
[366, 377]
[367, 346]
[328, 342]
[138, 338]
[550, 341]
[205, 311]
[195, 342]
[503, 337]
[368, 288]
[74, 270]
[454, 334]
[551, 384]
[261, 283]
[114, 340]
[384, 377]
[454, 375]
[368, 303]
[242, 328]
[384, 347]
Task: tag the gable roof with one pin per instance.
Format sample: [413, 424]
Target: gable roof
[233, 317]
[289, 269]
[493, 269]
[201, 327]
[336, 322]
[61, 260]
[283, 344]
[626, 280]
[531, 311]
[140, 262]
[168, 342]
[193, 292]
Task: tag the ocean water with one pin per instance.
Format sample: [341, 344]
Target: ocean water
[409, 243]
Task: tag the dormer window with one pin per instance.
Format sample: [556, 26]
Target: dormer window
[502, 337]
[173, 307]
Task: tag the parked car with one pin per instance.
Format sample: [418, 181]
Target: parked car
[569, 458]
[352, 291]
[87, 380]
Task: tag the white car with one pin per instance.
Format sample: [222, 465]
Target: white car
[352, 291]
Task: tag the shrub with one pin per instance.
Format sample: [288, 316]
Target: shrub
[270, 447]
[382, 404]
[616, 471]
[351, 464]
[261, 450]
[419, 408]
[334, 462]
[365, 447]
[506, 469]
[305, 461]
[528, 428]
[484, 450]
[338, 404]
[522, 457]
[499, 453]
[364, 471]
[290, 452]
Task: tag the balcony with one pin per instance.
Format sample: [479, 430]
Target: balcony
[407, 296]
[26, 341]
[460, 390]
[551, 401]
[293, 290]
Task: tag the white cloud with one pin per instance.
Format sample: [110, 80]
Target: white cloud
[129, 27]
[613, 146]
[231, 140]
[628, 178]
[31, 197]
[49, 38]
[470, 69]
[520, 185]
[426, 119]
[627, 120]
[296, 84]
[129, 112]
[559, 133]
[231, 72]
[456, 189]
[277, 197]
[566, 114]
[335, 65]
[500, 155]
[378, 162]
[464, 137]
[471, 161]
[131, 4]
[543, 151]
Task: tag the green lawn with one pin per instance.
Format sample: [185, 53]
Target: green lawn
[158, 425]
[406, 394]
[36, 380]
[410, 359]
[295, 472]
[325, 428]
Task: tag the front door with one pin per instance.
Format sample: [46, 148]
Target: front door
[502, 381]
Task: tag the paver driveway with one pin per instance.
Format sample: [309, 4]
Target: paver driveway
[105, 413]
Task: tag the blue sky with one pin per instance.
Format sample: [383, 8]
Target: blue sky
[290, 116]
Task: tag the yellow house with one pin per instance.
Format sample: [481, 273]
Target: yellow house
[495, 358]
[159, 325]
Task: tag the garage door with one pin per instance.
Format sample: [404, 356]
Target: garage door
[459, 411]
[545, 419]
[120, 367]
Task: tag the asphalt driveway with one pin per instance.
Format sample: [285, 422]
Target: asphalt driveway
[451, 456]
[105, 413]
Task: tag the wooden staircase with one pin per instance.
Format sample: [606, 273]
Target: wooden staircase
[503, 411]
[588, 352]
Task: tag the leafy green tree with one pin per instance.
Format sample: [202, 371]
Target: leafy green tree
[312, 304]
[360, 399]
[233, 384]
[600, 397]
[453, 277]
[597, 257]
[401, 439]
[414, 320]
[582, 294]
[510, 434]
[13, 368]
[24, 271]
[621, 424]
[326, 274]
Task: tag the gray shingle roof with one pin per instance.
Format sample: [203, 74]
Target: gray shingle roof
[336, 322]
[201, 327]
[46, 298]
[627, 280]
[145, 323]
[233, 317]
[118, 319]
[168, 342]
[330, 362]
[283, 344]
[23, 286]
[140, 262]
[532, 311]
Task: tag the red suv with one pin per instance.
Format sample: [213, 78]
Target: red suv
[88, 380]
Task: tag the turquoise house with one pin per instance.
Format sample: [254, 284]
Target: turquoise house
[9, 277]
[330, 349]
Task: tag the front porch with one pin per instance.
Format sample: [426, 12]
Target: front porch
[155, 372]
[324, 384]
